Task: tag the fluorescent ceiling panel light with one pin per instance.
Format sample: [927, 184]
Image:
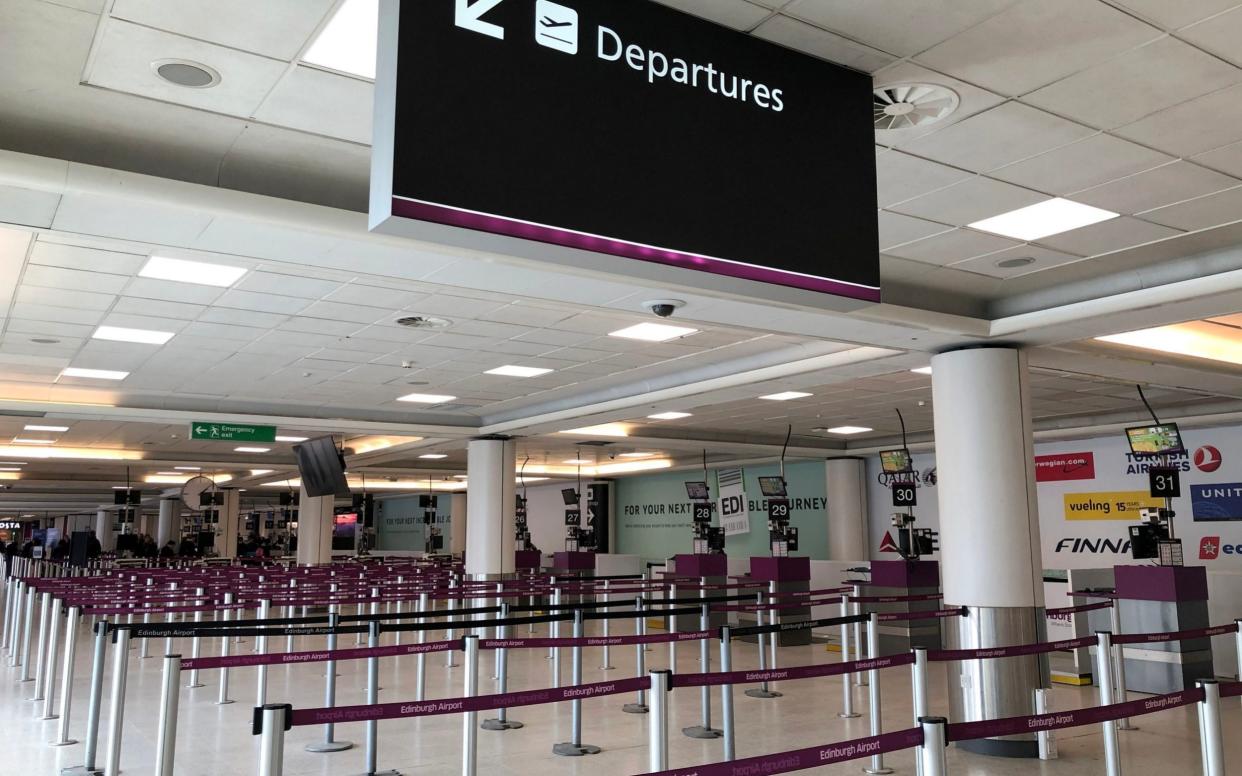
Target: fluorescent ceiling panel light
[654, 332]
[22, 441]
[70, 453]
[348, 44]
[370, 444]
[433, 456]
[9, 469]
[47, 428]
[260, 472]
[197, 272]
[1045, 219]
[1197, 339]
[923, 370]
[848, 430]
[524, 480]
[638, 455]
[179, 479]
[461, 476]
[605, 430]
[579, 462]
[120, 487]
[786, 396]
[140, 336]
[517, 371]
[632, 466]
[427, 398]
[188, 468]
[10, 476]
[670, 416]
[93, 374]
[252, 449]
[291, 439]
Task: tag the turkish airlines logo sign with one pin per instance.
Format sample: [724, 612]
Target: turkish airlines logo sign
[1207, 459]
[1062, 467]
[1209, 548]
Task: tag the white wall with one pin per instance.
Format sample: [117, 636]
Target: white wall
[545, 514]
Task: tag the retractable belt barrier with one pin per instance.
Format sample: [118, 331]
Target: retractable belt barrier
[965, 731]
[1067, 610]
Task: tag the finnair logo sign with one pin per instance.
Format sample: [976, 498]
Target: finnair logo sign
[558, 27]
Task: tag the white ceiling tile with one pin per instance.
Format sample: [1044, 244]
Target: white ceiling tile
[73, 279]
[261, 302]
[45, 312]
[1089, 162]
[298, 101]
[1044, 259]
[27, 207]
[128, 219]
[738, 14]
[998, 137]
[874, 22]
[48, 328]
[124, 53]
[453, 307]
[971, 200]
[1138, 83]
[1037, 42]
[953, 247]
[242, 317]
[375, 296]
[971, 99]
[223, 331]
[273, 28]
[896, 229]
[528, 314]
[74, 257]
[150, 322]
[169, 291]
[1219, 35]
[1202, 124]
[1155, 188]
[901, 176]
[339, 311]
[286, 285]
[320, 326]
[83, 300]
[1109, 236]
[489, 329]
[561, 338]
[1174, 14]
[821, 43]
[235, 237]
[1212, 210]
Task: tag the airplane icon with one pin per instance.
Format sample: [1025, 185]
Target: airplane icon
[549, 22]
[556, 26]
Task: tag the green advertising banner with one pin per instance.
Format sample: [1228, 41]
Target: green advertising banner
[232, 432]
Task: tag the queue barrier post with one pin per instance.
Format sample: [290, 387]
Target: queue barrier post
[1046, 738]
[671, 622]
[1210, 729]
[260, 647]
[166, 727]
[49, 668]
[329, 742]
[1119, 665]
[606, 662]
[575, 747]
[877, 767]
[225, 616]
[420, 663]
[372, 753]
[726, 694]
[451, 604]
[469, 730]
[918, 682]
[144, 645]
[66, 676]
[763, 690]
[95, 701]
[932, 753]
[196, 645]
[502, 721]
[28, 617]
[116, 705]
[273, 722]
[640, 660]
[860, 678]
[657, 722]
[1237, 642]
[40, 677]
[1103, 667]
[554, 629]
[847, 680]
[8, 609]
[704, 729]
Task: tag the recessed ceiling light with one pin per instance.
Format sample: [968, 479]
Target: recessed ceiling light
[653, 332]
[173, 474]
[460, 476]
[188, 468]
[1197, 339]
[295, 439]
[605, 430]
[923, 370]
[348, 43]
[670, 416]
[44, 341]
[20, 441]
[434, 456]
[93, 374]
[252, 449]
[427, 398]
[638, 455]
[120, 487]
[9, 469]
[197, 272]
[848, 430]
[141, 336]
[47, 428]
[578, 462]
[517, 371]
[260, 472]
[786, 396]
[1045, 219]
[183, 72]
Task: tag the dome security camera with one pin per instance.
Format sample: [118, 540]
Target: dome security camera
[664, 308]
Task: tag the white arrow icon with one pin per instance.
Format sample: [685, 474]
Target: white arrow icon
[470, 17]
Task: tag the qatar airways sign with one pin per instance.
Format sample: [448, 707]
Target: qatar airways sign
[625, 137]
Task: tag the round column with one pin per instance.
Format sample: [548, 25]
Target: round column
[492, 471]
[848, 533]
[989, 536]
[315, 520]
[103, 530]
[167, 527]
[457, 523]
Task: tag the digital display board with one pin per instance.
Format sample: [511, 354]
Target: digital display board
[626, 129]
[1156, 439]
[773, 487]
[896, 461]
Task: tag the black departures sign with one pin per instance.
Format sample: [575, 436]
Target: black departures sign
[628, 129]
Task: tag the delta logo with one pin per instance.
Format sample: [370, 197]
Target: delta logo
[1207, 459]
[888, 545]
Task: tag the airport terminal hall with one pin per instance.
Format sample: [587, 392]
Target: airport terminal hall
[620, 387]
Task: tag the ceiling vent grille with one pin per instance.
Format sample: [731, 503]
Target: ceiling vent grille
[424, 322]
[904, 106]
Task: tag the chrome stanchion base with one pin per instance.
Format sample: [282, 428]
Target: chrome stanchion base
[329, 746]
[81, 770]
[1126, 725]
[575, 750]
[607, 668]
[70, 742]
[224, 702]
[635, 708]
[878, 771]
[759, 692]
[383, 773]
[698, 731]
[49, 716]
[500, 724]
[196, 684]
[851, 715]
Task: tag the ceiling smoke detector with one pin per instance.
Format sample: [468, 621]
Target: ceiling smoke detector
[1015, 263]
[903, 106]
[183, 72]
[424, 322]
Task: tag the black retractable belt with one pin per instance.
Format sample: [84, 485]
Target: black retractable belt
[801, 625]
[425, 626]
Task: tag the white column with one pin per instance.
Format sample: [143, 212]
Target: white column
[492, 470]
[103, 530]
[315, 515]
[168, 526]
[457, 523]
[989, 536]
[230, 516]
[848, 534]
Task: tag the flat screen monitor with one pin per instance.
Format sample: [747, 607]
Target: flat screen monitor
[1155, 439]
[570, 497]
[773, 487]
[427, 502]
[322, 468]
[896, 461]
[697, 491]
[344, 527]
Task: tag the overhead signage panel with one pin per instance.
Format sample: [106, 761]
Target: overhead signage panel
[629, 130]
[232, 432]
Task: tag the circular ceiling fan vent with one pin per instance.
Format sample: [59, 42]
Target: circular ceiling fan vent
[903, 106]
[424, 322]
[183, 72]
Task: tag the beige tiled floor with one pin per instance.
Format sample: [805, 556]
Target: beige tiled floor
[216, 739]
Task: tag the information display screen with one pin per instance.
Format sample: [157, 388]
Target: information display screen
[697, 491]
[570, 497]
[896, 461]
[628, 129]
[1155, 440]
[773, 487]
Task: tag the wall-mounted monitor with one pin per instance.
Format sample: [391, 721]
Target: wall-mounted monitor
[1155, 439]
[697, 491]
[773, 487]
[570, 497]
[896, 461]
[322, 468]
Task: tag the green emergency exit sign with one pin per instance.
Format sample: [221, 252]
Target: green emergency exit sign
[232, 432]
